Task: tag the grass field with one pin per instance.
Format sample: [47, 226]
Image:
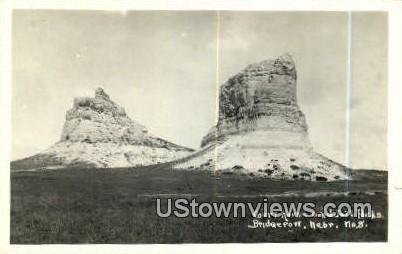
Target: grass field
[118, 206]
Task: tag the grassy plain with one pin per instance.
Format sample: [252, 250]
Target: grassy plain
[119, 206]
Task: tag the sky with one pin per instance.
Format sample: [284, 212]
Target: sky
[164, 67]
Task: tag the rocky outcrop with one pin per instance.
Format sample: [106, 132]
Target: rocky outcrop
[100, 120]
[261, 129]
[261, 97]
[98, 133]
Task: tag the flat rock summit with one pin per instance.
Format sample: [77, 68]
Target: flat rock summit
[98, 133]
[261, 129]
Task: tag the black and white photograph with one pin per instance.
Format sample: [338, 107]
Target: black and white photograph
[198, 126]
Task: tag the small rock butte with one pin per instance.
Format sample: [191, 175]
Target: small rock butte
[98, 133]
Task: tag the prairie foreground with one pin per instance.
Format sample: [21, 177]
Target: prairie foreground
[119, 206]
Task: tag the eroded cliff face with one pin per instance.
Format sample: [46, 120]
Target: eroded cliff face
[261, 129]
[99, 119]
[261, 97]
[98, 133]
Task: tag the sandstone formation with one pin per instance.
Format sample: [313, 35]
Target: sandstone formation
[261, 129]
[98, 133]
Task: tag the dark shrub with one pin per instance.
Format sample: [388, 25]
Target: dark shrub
[269, 171]
[321, 178]
[237, 167]
[87, 140]
[294, 167]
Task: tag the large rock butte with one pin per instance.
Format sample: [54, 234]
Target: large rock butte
[98, 133]
[261, 129]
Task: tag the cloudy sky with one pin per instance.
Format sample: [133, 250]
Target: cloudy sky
[162, 67]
